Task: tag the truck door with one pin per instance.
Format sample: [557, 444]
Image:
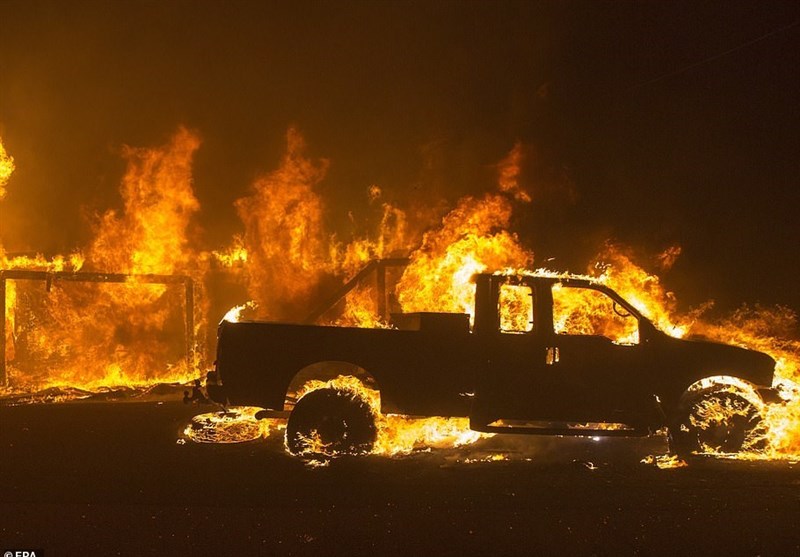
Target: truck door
[580, 362]
[509, 382]
[597, 371]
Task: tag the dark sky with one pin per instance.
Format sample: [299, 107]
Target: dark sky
[671, 122]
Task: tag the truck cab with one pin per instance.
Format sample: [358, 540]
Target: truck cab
[569, 355]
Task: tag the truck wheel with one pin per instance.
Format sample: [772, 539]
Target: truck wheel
[329, 422]
[717, 422]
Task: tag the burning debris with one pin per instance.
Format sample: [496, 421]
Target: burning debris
[664, 462]
[234, 425]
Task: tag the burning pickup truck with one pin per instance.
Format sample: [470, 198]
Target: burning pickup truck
[545, 354]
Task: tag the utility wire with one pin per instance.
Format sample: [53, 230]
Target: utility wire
[717, 56]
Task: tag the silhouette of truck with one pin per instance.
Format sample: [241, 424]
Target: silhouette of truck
[556, 355]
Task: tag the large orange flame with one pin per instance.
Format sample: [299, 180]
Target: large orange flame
[150, 235]
[287, 255]
[6, 169]
[125, 334]
[472, 238]
[103, 334]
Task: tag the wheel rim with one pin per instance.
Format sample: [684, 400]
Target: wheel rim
[725, 423]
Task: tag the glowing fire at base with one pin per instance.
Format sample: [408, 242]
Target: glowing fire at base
[235, 425]
[397, 434]
[401, 434]
[664, 462]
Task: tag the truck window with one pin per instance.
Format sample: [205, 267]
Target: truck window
[515, 306]
[586, 311]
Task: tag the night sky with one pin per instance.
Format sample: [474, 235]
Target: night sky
[650, 124]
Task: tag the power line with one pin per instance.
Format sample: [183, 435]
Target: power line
[717, 56]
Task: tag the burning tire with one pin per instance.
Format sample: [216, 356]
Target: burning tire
[717, 422]
[330, 422]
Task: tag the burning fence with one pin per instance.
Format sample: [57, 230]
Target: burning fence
[121, 311]
[143, 314]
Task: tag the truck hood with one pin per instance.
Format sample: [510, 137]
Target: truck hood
[714, 358]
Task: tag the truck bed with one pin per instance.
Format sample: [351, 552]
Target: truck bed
[418, 372]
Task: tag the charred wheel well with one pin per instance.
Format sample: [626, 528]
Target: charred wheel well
[325, 371]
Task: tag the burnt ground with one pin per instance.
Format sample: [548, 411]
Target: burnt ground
[106, 478]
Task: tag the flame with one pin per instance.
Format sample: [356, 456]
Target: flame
[393, 237]
[516, 308]
[472, 239]
[234, 315]
[664, 462]
[150, 234]
[237, 424]
[579, 311]
[360, 310]
[509, 173]
[284, 236]
[235, 255]
[770, 330]
[286, 256]
[92, 335]
[641, 289]
[397, 434]
[124, 334]
[6, 169]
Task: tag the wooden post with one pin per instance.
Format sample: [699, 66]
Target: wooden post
[190, 340]
[3, 375]
[381, 275]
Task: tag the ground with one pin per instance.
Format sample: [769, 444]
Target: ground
[112, 478]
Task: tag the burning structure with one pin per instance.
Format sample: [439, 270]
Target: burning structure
[144, 317]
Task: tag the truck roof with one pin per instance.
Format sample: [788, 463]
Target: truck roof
[546, 275]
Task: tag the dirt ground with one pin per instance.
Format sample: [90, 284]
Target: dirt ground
[112, 478]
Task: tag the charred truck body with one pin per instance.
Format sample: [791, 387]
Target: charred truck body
[545, 355]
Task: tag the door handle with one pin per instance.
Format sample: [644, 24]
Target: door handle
[552, 355]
